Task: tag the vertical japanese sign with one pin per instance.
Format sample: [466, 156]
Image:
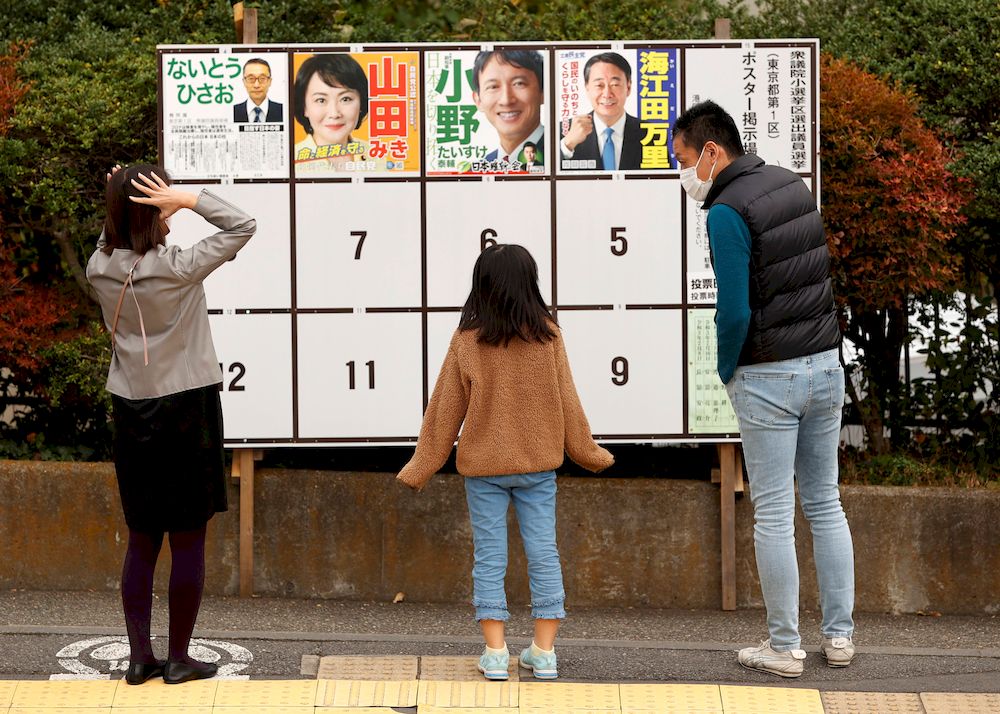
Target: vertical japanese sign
[616, 109]
[709, 408]
[702, 288]
[485, 112]
[356, 113]
[224, 115]
[768, 91]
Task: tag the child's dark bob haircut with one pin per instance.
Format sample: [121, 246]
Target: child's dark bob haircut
[504, 302]
[133, 226]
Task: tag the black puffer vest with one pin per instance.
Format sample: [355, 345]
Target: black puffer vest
[792, 313]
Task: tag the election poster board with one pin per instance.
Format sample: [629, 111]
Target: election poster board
[377, 174]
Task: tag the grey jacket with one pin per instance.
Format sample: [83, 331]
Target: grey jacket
[168, 289]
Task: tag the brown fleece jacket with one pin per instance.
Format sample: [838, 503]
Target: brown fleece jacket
[519, 406]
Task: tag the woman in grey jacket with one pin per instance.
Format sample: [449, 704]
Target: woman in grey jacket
[167, 414]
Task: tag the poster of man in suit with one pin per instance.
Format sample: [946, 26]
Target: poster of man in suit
[616, 109]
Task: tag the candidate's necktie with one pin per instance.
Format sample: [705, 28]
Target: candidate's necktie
[256, 115]
[608, 154]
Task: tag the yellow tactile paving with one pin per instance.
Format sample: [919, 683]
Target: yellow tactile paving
[867, 702]
[71, 694]
[260, 709]
[157, 695]
[355, 710]
[56, 710]
[357, 667]
[942, 703]
[467, 694]
[670, 698]
[463, 669]
[354, 693]
[563, 695]
[6, 693]
[158, 710]
[767, 700]
[431, 709]
[566, 710]
[266, 693]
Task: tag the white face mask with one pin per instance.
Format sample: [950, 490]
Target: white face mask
[694, 186]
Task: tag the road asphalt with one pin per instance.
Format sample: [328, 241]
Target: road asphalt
[81, 633]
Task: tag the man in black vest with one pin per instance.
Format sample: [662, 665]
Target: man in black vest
[778, 355]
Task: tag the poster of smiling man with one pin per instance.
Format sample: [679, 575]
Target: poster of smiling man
[356, 113]
[616, 109]
[485, 112]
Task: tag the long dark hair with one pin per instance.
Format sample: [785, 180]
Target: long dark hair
[504, 302]
[130, 225]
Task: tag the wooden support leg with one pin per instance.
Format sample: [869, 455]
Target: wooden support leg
[243, 466]
[727, 502]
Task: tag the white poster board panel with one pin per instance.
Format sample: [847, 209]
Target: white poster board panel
[260, 275]
[207, 130]
[769, 93]
[627, 366]
[360, 375]
[463, 218]
[618, 242]
[255, 352]
[357, 245]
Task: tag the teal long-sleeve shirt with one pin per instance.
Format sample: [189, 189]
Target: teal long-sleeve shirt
[729, 237]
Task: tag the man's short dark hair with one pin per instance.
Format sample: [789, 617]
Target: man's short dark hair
[257, 60]
[707, 121]
[611, 58]
[531, 144]
[337, 70]
[525, 59]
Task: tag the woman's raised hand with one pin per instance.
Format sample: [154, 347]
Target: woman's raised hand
[158, 193]
[114, 170]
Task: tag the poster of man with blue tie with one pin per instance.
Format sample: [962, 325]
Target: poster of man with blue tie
[616, 109]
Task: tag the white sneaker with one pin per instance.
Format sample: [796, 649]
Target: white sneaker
[765, 659]
[839, 651]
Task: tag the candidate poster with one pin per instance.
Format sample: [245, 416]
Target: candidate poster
[225, 116]
[485, 112]
[356, 113]
[616, 109]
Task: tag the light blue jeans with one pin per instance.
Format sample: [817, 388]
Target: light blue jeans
[534, 497]
[789, 414]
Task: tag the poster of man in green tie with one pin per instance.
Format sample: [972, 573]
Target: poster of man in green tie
[616, 109]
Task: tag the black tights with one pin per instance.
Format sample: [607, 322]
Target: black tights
[187, 581]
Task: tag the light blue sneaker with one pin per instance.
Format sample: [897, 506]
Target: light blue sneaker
[543, 666]
[494, 666]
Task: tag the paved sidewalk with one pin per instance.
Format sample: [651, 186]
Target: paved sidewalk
[270, 649]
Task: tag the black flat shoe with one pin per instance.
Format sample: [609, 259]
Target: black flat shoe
[177, 672]
[139, 672]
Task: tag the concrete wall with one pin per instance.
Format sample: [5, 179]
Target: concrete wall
[623, 542]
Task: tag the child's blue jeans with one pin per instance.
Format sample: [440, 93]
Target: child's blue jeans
[534, 497]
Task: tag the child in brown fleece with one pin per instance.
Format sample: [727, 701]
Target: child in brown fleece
[507, 379]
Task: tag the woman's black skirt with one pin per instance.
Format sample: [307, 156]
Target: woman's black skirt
[169, 459]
